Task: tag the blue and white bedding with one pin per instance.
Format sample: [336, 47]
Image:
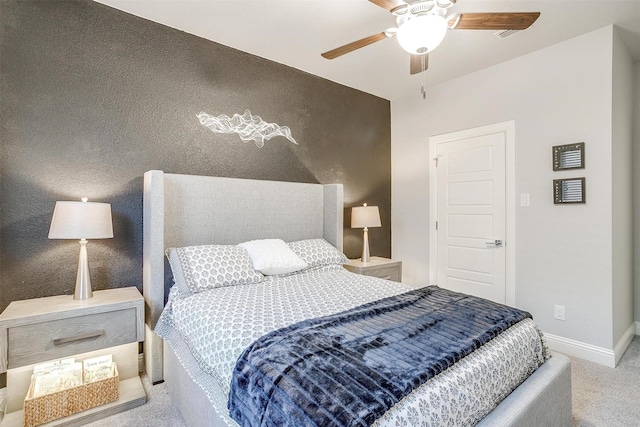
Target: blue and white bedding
[218, 324]
[349, 368]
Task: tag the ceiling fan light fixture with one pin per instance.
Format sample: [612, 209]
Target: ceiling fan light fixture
[421, 34]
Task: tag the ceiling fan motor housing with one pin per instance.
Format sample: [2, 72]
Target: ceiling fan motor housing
[422, 32]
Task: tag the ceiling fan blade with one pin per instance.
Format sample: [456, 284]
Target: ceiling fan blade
[495, 21]
[416, 63]
[388, 4]
[332, 54]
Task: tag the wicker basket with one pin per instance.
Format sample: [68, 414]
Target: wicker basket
[40, 410]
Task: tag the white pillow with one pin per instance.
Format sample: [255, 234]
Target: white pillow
[273, 256]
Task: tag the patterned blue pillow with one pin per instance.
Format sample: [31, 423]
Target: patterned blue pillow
[200, 268]
[318, 253]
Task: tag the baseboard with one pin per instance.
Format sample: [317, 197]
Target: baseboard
[624, 342]
[592, 353]
[582, 350]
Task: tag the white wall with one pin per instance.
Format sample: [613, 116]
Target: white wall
[622, 194]
[636, 193]
[558, 95]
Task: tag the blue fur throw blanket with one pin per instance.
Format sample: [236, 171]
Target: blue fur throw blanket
[348, 369]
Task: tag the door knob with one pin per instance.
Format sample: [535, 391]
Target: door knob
[496, 243]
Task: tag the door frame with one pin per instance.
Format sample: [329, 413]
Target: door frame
[509, 129]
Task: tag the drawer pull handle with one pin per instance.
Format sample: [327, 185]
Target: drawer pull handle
[61, 341]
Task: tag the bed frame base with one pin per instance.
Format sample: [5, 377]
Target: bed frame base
[193, 403]
[544, 399]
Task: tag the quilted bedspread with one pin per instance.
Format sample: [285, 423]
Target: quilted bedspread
[349, 368]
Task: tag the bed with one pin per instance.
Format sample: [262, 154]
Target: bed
[185, 210]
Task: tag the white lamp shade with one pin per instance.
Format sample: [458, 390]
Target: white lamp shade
[81, 220]
[421, 34]
[365, 216]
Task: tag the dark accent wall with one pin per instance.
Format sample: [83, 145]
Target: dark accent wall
[92, 97]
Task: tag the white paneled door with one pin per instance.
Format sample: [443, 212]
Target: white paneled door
[471, 204]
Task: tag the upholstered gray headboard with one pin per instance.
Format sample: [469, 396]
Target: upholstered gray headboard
[184, 210]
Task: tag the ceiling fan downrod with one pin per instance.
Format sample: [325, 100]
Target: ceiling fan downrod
[424, 78]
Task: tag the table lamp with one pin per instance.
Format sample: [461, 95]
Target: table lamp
[81, 220]
[365, 217]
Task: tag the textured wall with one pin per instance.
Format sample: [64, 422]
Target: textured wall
[92, 97]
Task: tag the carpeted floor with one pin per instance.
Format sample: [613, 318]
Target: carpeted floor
[602, 397]
[159, 411]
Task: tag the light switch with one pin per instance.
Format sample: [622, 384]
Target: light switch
[524, 199]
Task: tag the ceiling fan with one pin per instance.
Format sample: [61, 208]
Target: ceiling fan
[422, 25]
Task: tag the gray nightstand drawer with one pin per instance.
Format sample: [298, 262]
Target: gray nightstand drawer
[389, 273]
[384, 268]
[38, 342]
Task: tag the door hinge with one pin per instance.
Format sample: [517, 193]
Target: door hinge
[435, 159]
[436, 225]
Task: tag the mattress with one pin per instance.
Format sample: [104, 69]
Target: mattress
[217, 325]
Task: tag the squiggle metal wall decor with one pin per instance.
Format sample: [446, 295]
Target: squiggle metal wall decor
[247, 126]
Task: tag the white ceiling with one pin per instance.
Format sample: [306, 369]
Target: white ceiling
[295, 32]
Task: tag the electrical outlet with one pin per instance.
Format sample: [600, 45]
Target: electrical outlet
[525, 200]
[558, 312]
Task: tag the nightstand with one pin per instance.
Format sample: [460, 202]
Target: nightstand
[42, 329]
[384, 268]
